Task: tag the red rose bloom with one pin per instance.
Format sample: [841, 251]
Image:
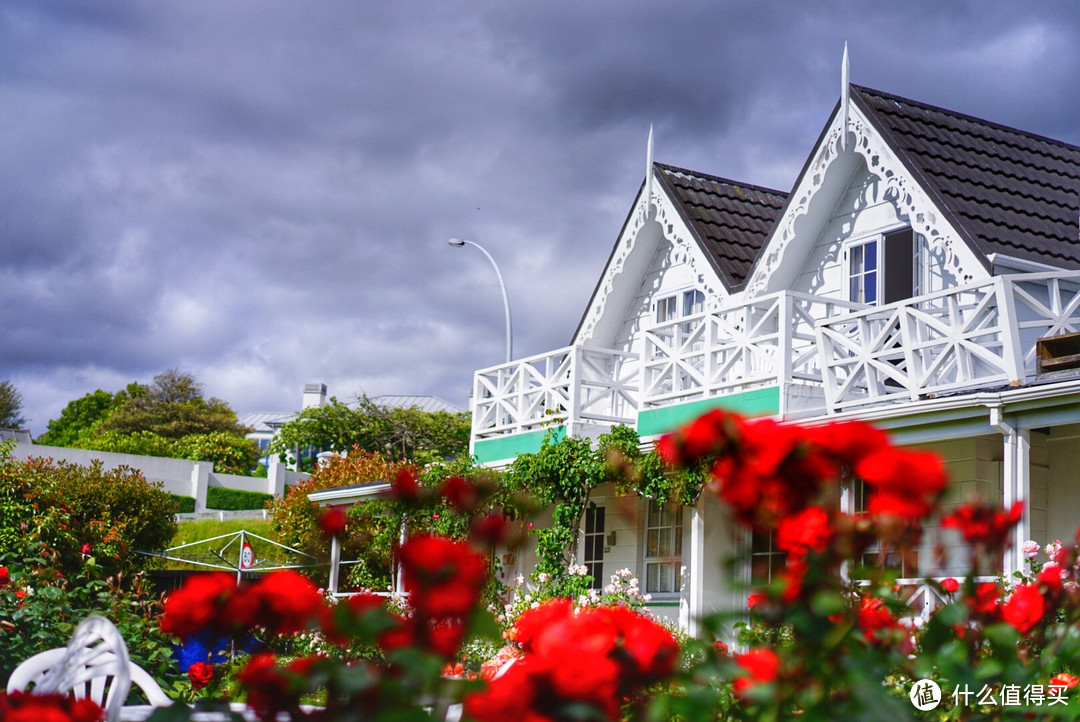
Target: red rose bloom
[198, 605]
[1025, 608]
[200, 674]
[904, 482]
[804, 532]
[1064, 679]
[5, 577]
[950, 585]
[444, 578]
[985, 524]
[332, 522]
[761, 665]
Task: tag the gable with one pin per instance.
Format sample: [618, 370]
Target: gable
[861, 189]
[695, 231]
[1006, 191]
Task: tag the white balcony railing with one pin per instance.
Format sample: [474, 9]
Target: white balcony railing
[767, 341]
[568, 386]
[975, 335]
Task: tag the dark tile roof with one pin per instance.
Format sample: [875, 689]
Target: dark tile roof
[1005, 190]
[731, 220]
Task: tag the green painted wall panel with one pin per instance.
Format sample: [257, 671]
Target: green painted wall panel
[757, 402]
[509, 446]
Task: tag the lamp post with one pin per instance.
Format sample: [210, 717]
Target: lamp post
[502, 286]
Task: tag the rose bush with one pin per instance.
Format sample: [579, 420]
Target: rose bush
[829, 638]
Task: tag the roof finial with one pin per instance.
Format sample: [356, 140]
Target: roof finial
[844, 91]
[649, 172]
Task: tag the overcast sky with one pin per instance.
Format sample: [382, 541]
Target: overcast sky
[260, 193]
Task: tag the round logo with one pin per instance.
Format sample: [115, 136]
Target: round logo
[925, 694]
[247, 556]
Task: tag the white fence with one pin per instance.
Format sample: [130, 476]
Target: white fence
[767, 341]
[177, 476]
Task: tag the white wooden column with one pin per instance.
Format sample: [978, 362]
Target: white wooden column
[693, 596]
[335, 563]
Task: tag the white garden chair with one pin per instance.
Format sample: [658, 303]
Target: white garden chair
[95, 664]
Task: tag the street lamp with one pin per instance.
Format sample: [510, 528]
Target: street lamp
[502, 286]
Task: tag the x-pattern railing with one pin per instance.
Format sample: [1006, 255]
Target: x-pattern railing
[979, 334]
[768, 340]
[568, 385]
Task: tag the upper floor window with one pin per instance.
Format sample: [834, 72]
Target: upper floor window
[679, 305]
[881, 268]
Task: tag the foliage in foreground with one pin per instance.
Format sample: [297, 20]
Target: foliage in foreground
[40, 606]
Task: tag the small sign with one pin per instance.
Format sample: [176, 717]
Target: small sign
[247, 556]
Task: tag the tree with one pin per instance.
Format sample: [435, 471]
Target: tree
[169, 418]
[398, 434]
[80, 415]
[173, 407]
[10, 406]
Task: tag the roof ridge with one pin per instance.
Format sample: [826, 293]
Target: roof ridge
[719, 179]
[964, 116]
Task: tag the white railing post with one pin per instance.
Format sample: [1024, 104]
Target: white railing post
[573, 391]
[1011, 351]
[784, 350]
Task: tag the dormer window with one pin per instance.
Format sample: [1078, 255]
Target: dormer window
[881, 268]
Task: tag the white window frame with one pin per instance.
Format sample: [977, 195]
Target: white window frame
[919, 279]
[679, 304]
[660, 561]
[878, 239]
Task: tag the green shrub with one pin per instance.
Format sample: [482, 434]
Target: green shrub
[235, 499]
[67, 510]
[184, 504]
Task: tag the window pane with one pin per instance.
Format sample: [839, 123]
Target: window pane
[664, 546]
[651, 576]
[652, 544]
[870, 256]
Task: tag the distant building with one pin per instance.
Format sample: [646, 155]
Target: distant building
[267, 424]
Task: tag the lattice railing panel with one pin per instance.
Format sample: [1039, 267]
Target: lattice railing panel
[975, 335]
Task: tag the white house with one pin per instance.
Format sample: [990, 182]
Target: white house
[923, 273]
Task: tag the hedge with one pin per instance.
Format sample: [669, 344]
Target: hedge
[235, 499]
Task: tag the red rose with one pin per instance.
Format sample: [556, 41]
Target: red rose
[804, 532]
[5, 576]
[1064, 679]
[761, 665]
[200, 674]
[460, 494]
[405, 487]
[1024, 608]
[285, 602]
[198, 605]
[904, 482]
[444, 578]
[332, 522]
[985, 524]
[950, 585]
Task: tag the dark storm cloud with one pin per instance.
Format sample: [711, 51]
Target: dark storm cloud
[261, 193]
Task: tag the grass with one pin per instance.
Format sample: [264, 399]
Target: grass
[201, 529]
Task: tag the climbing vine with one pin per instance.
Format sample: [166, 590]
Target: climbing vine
[564, 472]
